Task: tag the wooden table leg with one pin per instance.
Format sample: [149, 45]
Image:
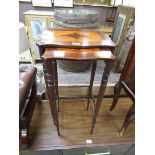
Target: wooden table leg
[91, 82]
[41, 51]
[51, 89]
[102, 89]
[54, 62]
[46, 83]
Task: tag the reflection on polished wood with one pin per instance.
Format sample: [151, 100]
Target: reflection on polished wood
[75, 38]
[77, 54]
[75, 124]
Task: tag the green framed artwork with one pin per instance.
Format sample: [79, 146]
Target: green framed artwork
[124, 19]
[118, 28]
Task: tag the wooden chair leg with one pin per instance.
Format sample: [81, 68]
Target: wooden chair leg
[117, 90]
[129, 117]
[24, 138]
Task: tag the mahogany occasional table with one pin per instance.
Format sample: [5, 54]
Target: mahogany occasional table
[77, 45]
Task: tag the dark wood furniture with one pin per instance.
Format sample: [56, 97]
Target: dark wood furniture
[77, 45]
[27, 101]
[127, 81]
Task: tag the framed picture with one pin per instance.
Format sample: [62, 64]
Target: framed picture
[124, 20]
[118, 28]
[42, 3]
[66, 3]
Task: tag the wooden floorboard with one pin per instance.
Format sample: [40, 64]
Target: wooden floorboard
[83, 89]
[75, 124]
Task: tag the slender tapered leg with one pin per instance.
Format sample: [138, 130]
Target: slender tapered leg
[56, 82]
[51, 89]
[102, 89]
[117, 90]
[129, 117]
[47, 78]
[91, 82]
[46, 75]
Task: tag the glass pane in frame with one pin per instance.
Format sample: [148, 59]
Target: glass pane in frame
[37, 26]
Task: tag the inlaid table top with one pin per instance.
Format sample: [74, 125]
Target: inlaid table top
[77, 38]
